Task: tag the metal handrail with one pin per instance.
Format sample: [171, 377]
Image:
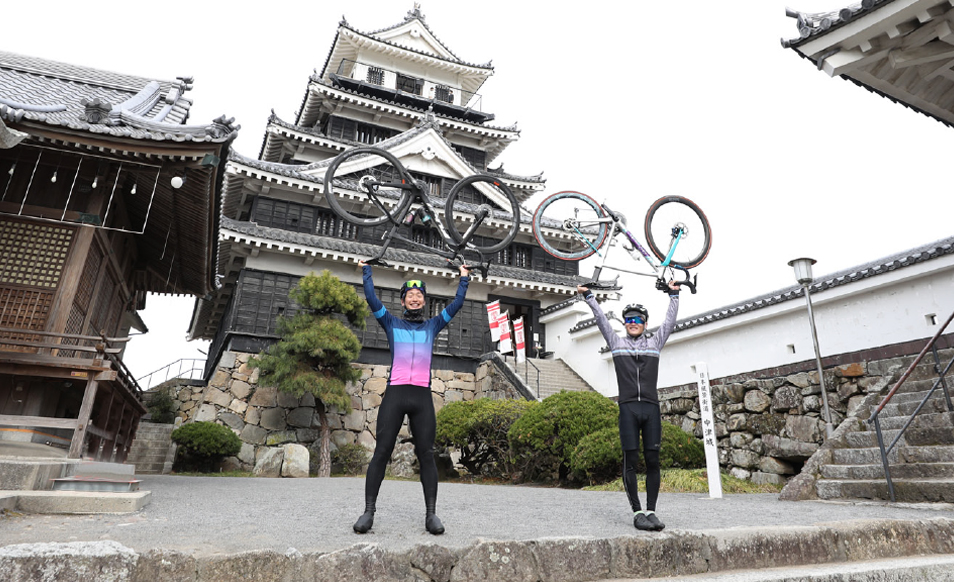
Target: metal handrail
[930, 346]
[194, 371]
[425, 89]
[526, 371]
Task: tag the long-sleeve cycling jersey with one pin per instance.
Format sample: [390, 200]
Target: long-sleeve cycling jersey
[412, 343]
[636, 359]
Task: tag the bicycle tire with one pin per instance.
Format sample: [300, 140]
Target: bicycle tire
[662, 216]
[458, 229]
[380, 165]
[568, 245]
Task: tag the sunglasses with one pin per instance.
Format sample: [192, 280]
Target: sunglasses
[638, 320]
[415, 284]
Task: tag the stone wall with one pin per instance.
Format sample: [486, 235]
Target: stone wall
[768, 425]
[268, 420]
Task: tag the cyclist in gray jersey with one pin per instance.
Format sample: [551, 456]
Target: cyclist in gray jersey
[636, 358]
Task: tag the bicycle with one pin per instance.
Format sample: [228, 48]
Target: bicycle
[573, 226]
[387, 193]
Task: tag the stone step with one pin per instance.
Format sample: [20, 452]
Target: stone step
[922, 420]
[77, 502]
[103, 484]
[907, 407]
[913, 436]
[905, 490]
[898, 471]
[900, 454]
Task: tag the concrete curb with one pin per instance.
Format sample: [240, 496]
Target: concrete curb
[74, 502]
[676, 553]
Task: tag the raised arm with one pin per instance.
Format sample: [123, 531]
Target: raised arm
[451, 310]
[669, 323]
[602, 323]
[377, 308]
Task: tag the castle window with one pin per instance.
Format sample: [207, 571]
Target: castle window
[409, 84]
[375, 75]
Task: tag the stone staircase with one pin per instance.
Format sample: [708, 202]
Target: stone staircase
[921, 464]
[153, 451]
[555, 376]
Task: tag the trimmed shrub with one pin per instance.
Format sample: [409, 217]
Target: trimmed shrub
[203, 444]
[162, 407]
[350, 459]
[598, 457]
[478, 429]
[543, 439]
[680, 449]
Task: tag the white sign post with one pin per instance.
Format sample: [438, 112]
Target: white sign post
[709, 439]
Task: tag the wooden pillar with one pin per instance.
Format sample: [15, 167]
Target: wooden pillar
[83, 420]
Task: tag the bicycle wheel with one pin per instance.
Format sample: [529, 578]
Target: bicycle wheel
[565, 225]
[503, 212]
[672, 214]
[375, 186]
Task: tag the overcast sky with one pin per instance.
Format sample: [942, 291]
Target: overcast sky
[624, 101]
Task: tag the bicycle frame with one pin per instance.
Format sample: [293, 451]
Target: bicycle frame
[455, 251]
[617, 226]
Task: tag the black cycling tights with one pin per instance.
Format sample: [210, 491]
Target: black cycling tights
[416, 403]
[653, 478]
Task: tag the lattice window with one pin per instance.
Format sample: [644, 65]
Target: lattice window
[443, 93]
[375, 75]
[33, 254]
[89, 277]
[23, 309]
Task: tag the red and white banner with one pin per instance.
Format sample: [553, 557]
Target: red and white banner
[503, 322]
[493, 314]
[518, 340]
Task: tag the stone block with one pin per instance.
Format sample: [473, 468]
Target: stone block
[265, 396]
[307, 399]
[187, 406]
[438, 386]
[287, 399]
[735, 392]
[241, 389]
[370, 400]
[438, 402]
[342, 437]
[847, 390]
[356, 402]
[253, 415]
[362, 562]
[253, 434]
[742, 458]
[775, 466]
[468, 395]
[740, 440]
[238, 406]
[564, 559]
[300, 417]
[787, 398]
[380, 372]
[803, 428]
[376, 385]
[220, 379]
[481, 372]
[269, 463]
[247, 454]
[801, 380]
[232, 420]
[459, 385]
[206, 413]
[786, 448]
[434, 560]
[280, 437]
[740, 473]
[736, 422]
[227, 360]
[253, 378]
[218, 397]
[273, 419]
[757, 401]
[355, 420]
[453, 396]
[760, 478]
[851, 370]
[295, 461]
[307, 435]
[366, 439]
[445, 375]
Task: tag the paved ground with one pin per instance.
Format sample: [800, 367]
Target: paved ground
[205, 516]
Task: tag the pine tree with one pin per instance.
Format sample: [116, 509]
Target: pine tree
[316, 349]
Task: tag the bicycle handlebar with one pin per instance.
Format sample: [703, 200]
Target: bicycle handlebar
[687, 282]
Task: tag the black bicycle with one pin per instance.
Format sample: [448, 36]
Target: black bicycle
[374, 188]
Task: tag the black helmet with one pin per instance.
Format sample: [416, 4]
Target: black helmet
[636, 309]
[413, 284]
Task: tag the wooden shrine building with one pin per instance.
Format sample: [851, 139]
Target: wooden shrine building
[106, 194]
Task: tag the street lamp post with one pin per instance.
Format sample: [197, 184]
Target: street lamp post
[803, 274]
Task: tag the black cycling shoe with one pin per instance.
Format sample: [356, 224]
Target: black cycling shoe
[433, 524]
[364, 522]
[654, 521]
[641, 521]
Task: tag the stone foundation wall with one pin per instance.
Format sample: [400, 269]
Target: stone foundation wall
[768, 425]
[266, 419]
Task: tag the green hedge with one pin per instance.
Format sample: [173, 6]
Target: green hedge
[478, 429]
[542, 441]
[203, 444]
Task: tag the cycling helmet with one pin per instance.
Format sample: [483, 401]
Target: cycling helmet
[634, 309]
[413, 284]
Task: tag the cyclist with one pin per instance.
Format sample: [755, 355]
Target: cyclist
[408, 391]
[636, 358]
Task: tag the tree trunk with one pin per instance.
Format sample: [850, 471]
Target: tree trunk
[324, 455]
